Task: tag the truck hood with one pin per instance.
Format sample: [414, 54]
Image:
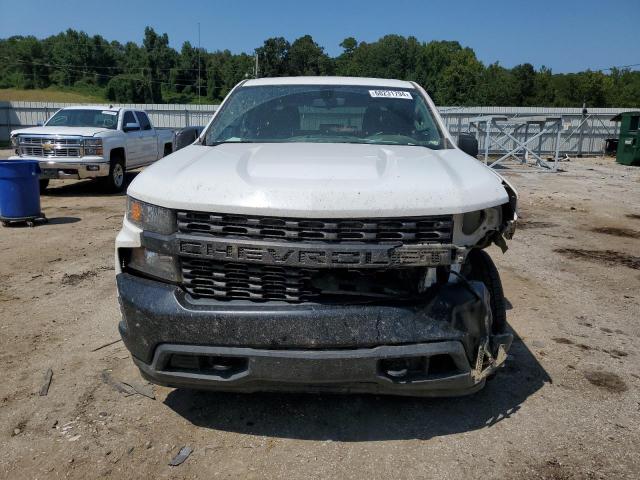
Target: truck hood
[75, 131]
[320, 180]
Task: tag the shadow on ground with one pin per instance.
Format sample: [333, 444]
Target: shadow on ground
[62, 220]
[356, 418]
[93, 188]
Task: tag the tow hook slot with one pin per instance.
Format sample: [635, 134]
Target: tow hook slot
[416, 369]
[486, 363]
[217, 366]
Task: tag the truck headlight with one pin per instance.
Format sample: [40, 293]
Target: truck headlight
[152, 264]
[14, 141]
[151, 218]
[92, 146]
[471, 221]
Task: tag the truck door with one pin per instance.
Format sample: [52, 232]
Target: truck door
[133, 140]
[149, 139]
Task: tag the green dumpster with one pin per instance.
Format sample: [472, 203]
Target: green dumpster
[629, 139]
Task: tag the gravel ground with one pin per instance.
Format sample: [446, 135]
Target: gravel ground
[566, 406]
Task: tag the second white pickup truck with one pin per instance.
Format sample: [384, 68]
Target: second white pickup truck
[92, 141]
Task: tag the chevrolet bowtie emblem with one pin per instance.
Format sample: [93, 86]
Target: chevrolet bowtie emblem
[47, 146]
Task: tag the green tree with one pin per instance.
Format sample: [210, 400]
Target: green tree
[496, 87]
[159, 59]
[129, 88]
[524, 76]
[306, 57]
[273, 57]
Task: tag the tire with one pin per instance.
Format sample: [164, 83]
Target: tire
[44, 183]
[115, 182]
[480, 267]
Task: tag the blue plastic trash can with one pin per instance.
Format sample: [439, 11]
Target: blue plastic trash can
[19, 190]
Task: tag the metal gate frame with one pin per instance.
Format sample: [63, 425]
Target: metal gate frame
[507, 129]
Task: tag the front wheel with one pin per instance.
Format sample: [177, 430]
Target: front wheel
[116, 180]
[480, 267]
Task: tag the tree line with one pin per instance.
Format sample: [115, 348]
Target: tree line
[153, 72]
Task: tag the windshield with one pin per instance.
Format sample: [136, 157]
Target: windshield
[329, 113]
[84, 118]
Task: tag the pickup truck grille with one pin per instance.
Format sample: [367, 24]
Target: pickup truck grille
[406, 230]
[209, 279]
[50, 147]
[206, 278]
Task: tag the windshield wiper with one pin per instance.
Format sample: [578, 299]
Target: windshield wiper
[214, 144]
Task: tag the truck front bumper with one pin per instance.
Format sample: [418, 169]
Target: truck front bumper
[85, 167]
[425, 349]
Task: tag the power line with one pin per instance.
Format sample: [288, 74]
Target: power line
[84, 70]
[121, 47]
[47, 64]
[80, 68]
[620, 67]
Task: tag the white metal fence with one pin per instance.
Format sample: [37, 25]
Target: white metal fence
[581, 133]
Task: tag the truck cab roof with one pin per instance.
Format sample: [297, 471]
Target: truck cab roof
[362, 81]
[93, 107]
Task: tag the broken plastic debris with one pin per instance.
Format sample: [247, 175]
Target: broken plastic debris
[182, 455]
[144, 390]
[44, 389]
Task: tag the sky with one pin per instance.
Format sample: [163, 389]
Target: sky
[564, 35]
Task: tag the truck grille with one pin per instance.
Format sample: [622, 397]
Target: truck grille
[206, 278]
[407, 230]
[50, 147]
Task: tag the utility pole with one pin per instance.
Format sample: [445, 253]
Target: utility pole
[583, 121]
[198, 62]
[256, 69]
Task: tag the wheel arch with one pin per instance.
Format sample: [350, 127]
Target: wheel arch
[118, 153]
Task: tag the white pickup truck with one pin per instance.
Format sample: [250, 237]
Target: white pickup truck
[322, 234]
[90, 142]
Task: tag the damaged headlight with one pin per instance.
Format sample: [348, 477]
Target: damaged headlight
[151, 218]
[472, 221]
[153, 264]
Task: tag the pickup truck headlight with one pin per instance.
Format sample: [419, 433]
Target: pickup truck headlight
[151, 218]
[14, 141]
[153, 264]
[92, 146]
[471, 221]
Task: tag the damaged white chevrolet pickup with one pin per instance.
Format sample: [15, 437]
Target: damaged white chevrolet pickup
[322, 234]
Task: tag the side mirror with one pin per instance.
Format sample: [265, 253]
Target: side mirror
[468, 144]
[39, 124]
[131, 127]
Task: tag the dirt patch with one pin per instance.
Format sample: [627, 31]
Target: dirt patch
[616, 353]
[5, 297]
[563, 340]
[606, 380]
[607, 257]
[75, 278]
[525, 225]
[617, 232]
[555, 470]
